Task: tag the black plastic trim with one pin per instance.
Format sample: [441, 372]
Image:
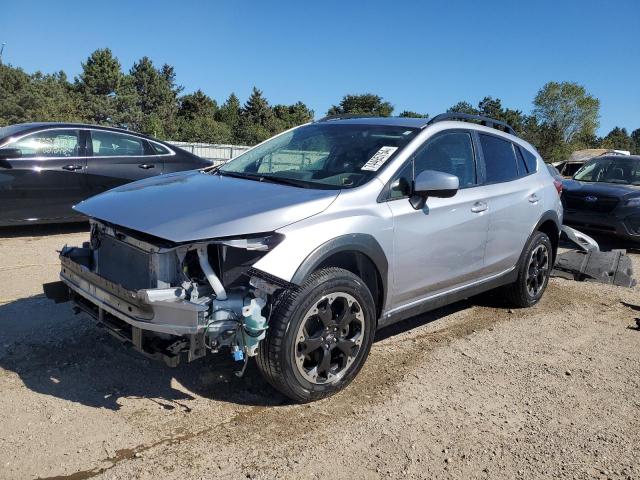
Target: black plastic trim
[448, 298]
[549, 215]
[358, 242]
[466, 117]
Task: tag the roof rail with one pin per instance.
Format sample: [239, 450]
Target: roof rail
[466, 117]
[343, 116]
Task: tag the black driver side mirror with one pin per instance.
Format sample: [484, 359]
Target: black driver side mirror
[431, 183]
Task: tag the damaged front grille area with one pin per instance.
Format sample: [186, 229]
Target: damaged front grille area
[130, 262]
[123, 264]
[186, 298]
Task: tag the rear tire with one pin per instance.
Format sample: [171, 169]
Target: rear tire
[533, 273]
[319, 336]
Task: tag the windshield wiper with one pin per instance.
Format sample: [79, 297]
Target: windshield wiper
[284, 180]
[265, 178]
[225, 173]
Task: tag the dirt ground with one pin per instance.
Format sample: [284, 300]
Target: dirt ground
[474, 390]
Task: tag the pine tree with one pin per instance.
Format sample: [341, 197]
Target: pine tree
[197, 104]
[101, 73]
[157, 97]
[229, 112]
[618, 139]
[257, 121]
[292, 115]
[635, 138]
[463, 107]
[411, 114]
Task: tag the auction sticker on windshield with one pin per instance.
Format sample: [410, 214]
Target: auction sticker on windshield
[379, 158]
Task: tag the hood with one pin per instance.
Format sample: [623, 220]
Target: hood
[190, 206]
[600, 188]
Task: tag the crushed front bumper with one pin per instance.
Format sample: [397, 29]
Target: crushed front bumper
[175, 324]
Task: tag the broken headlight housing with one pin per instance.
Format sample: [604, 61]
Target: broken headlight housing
[262, 243]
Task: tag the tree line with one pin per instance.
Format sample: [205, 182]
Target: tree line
[147, 99]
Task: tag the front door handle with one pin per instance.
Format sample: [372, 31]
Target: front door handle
[72, 168]
[146, 166]
[479, 207]
[533, 198]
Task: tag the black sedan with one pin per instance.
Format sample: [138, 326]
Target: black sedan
[604, 196]
[46, 168]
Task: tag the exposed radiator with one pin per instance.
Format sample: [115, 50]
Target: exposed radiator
[123, 264]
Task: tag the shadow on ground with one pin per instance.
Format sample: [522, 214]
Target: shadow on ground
[57, 353]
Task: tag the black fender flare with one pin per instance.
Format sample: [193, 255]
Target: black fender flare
[546, 216]
[357, 242]
[549, 215]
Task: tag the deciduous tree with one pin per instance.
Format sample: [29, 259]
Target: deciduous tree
[568, 106]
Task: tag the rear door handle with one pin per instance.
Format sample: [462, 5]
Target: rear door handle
[72, 168]
[146, 166]
[479, 207]
[533, 198]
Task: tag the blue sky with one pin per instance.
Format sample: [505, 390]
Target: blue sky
[422, 56]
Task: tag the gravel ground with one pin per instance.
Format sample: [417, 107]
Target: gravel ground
[474, 390]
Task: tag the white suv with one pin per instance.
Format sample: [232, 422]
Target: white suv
[299, 249]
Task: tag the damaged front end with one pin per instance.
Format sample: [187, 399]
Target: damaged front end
[174, 300]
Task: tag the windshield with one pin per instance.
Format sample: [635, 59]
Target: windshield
[322, 155]
[622, 170]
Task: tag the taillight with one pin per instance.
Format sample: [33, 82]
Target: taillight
[558, 185]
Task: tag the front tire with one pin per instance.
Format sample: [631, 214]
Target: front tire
[319, 336]
[533, 273]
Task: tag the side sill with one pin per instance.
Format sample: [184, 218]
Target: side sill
[446, 298]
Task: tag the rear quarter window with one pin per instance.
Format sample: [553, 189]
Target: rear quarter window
[529, 159]
[159, 149]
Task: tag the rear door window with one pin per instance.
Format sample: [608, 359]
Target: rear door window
[112, 144]
[499, 158]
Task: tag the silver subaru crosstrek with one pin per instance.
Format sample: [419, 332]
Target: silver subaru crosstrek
[296, 251]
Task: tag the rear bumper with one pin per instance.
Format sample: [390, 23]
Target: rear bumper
[622, 225]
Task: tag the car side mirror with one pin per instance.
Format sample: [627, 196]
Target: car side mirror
[431, 183]
[9, 153]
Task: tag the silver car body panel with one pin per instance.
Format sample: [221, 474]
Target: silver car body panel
[439, 246]
[352, 212]
[513, 209]
[193, 206]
